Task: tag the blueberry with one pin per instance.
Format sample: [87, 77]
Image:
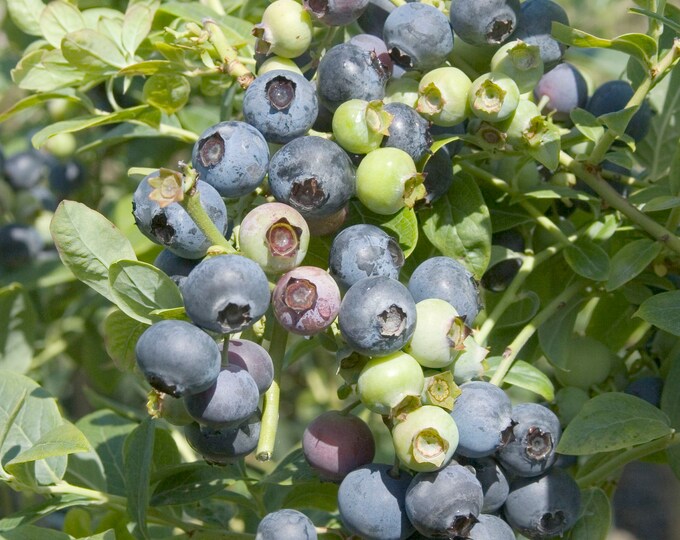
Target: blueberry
[224, 445]
[335, 12]
[647, 388]
[326, 225]
[490, 527]
[535, 26]
[232, 157]
[375, 45]
[500, 275]
[286, 524]
[254, 359]
[313, 175]
[362, 251]
[377, 316]
[418, 36]
[65, 178]
[536, 433]
[171, 226]
[306, 300]
[19, 245]
[445, 278]
[372, 20]
[543, 506]
[612, 97]
[408, 131]
[25, 170]
[226, 293]
[438, 176]
[565, 88]
[484, 22]
[371, 503]
[587, 362]
[281, 105]
[444, 503]
[174, 266]
[347, 72]
[494, 482]
[335, 444]
[177, 358]
[483, 414]
[45, 197]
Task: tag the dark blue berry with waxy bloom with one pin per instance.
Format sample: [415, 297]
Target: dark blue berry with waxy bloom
[224, 445]
[25, 170]
[535, 28]
[254, 359]
[408, 131]
[484, 22]
[335, 12]
[286, 524]
[19, 245]
[612, 97]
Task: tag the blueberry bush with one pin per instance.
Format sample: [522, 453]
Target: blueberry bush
[335, 268]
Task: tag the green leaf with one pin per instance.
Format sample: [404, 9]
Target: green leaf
[630, 261]
[188, 483]
[556, 192]
[40, 510]
[30, 532]
[27, 413]
[26, 15]
[556, 333]
[140, 113]
[587, 259]
[168, 92]
[670, 404]
[120, 337]
[88, 244]
[237, 31]
[58, 19]
[595, 517]
[137, 23]
[92, 51]
[548, 151]
[149, 67]
[60, 441]
[139, 449]
[612, 321]
[138, 288]
[524, 375]
[312, 496]
[459, 225]
[664, 20]
[17, 329]
[521, 311]
[674, 176]
[46, 71]
[34, 100]
[613, 421]
[663, 311]
[587, 124]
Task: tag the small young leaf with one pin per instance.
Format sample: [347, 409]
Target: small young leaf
[58, 19]
[37, 99]
[88, 244]
[17, 329]
[92, 51]
[663, 311]
[168, 92]
[137, 24]
[312, 496]
[595, 517]
[60, 441]
[188, 483]
[120, 337]
[613, 421]
[26, 15]
[524, 375]
[630, 261]
[587, 124]
[587, 259]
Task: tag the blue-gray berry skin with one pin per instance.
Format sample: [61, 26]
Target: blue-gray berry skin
[444, 503]
[177, 358]
[612, 97]
[350, 72]
[490, 527]
[19, 245]
[483, 414]
[565, 88]
[224, 445]
[438, 177]
[377, 316]
[173, 265]
[254, 359]
[376, 45]
[65, 178]
[232, 157]
[535, 26]
[543, 507]
[648, 388]
[445, 278]
[494, 482]
[408, 131]
[372, 20]
[484, 22]
[172, 227]
[226, 293]
[335, 12]
[281, 104]
[498, 277]
[362, 251]
[418, 36]
[372, 504]
[536, 432]
[25, 170]
[286, 524]
[313, 175]
[228, 402]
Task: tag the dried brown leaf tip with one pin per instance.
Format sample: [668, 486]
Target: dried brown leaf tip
[167, 187]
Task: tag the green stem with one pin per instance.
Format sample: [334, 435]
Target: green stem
[610, 195]
[230, 62]
[183, 135]
[524, 336]
[608, 468]
[192, 204]
[270, 413]
[348, 408]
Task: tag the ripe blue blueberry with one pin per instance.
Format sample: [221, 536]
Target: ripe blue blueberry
[500, 275]
[648, 388]
[65, 178]
[19, 245]
[25, 170]
[177, 358]
[232, 157]
[535, 27]
[445, 278]
[254, 359]
[281, 105]
[286, 524]
[377, 316]
[362, 251]
[372, 20]
[224, 445]
[171, 226]
[371, 503]
[484, 22]
[438, 176]
[490, 527]
[174, 266]
[335, 12]
[408, 131]
[375, 45]
[313, 175]
[494, 482]
[565, 88]
[612, 97]
[226, 293]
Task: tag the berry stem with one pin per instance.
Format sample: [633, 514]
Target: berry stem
[530, 329]
[230, 62]
[270, 413]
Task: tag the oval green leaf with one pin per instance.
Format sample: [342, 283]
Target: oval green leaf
[663, 311]
[587, 259]
[630, 260]
[595, 517]
[524, 375]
